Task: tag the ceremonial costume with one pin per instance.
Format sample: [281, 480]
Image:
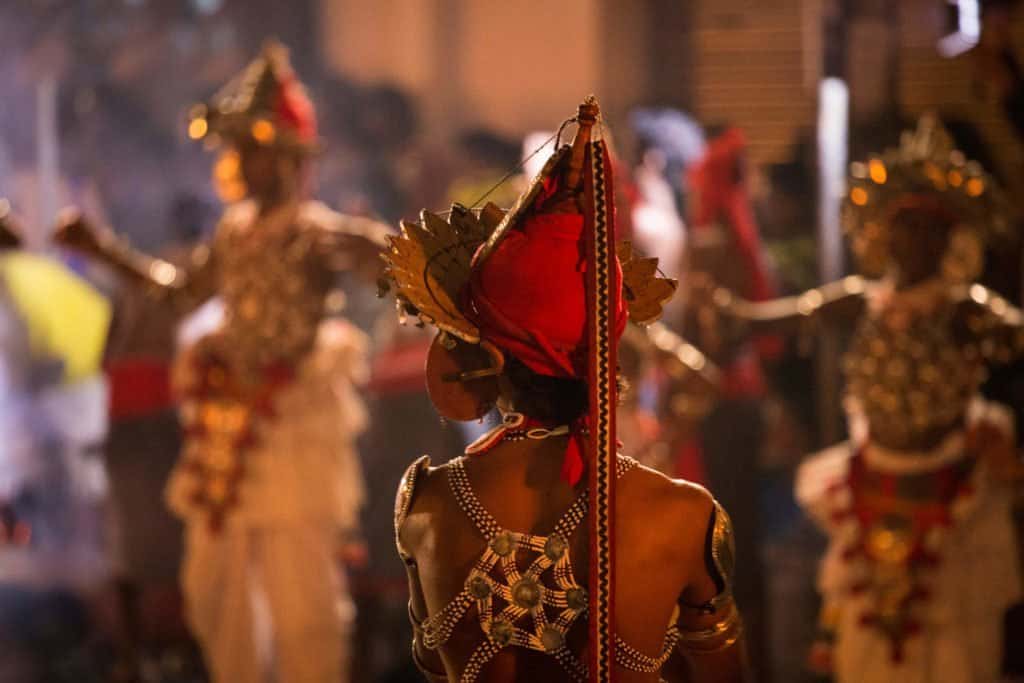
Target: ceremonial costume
[269, 484]
[921, 567]
[921, 564]
[536, 288]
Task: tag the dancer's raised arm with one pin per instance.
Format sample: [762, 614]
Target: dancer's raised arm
[184, 286]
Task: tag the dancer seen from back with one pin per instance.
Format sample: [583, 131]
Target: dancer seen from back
[269, 485]
[921, 567]
[495, 541]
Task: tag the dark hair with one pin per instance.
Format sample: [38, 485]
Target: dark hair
[550, 400]
[919, 236]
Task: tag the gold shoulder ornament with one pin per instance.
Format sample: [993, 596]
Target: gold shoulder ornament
[403, 499]
[729, 627]
[723, 554]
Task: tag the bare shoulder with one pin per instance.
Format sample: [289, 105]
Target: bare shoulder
[315, 214]
[662, 490]
[681, 506]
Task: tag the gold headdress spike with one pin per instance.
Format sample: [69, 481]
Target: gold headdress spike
[430, 261]
[925, 163]
[645, 290]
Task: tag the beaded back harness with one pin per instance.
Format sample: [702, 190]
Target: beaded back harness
[532, 607]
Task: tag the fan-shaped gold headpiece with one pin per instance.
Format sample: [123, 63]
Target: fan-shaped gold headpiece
[430, 263]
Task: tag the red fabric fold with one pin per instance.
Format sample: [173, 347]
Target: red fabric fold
[572, 462]
[294, 109]
[722, 196]
[139, 386]
[529, 297]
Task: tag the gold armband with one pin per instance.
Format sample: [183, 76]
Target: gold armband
[720, 561]
[722, 635]
[431, 675]
[417, 644]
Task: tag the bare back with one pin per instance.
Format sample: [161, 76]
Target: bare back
[661, 530]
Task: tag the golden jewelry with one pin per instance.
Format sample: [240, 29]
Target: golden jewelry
[716, 638]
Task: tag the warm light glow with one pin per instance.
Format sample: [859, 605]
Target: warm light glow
[263, 131]
[691, 357]
[859, 196]
[979, 294]
[878, 172]
[956, 178]
[197, 128]
[163, 273]
[227, 166]
[975, 186]
[227, 177]
[936, 175]
[853, 285]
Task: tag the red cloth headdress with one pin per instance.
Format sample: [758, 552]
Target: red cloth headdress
[529, 297]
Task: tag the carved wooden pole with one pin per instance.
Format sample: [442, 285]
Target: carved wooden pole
[588, 164]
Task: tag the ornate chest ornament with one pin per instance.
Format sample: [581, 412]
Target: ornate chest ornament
[221, 416]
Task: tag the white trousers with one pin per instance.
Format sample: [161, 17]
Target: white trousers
[268, 604]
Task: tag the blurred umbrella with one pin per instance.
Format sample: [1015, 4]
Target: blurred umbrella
[678, 136]
[66, 318]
